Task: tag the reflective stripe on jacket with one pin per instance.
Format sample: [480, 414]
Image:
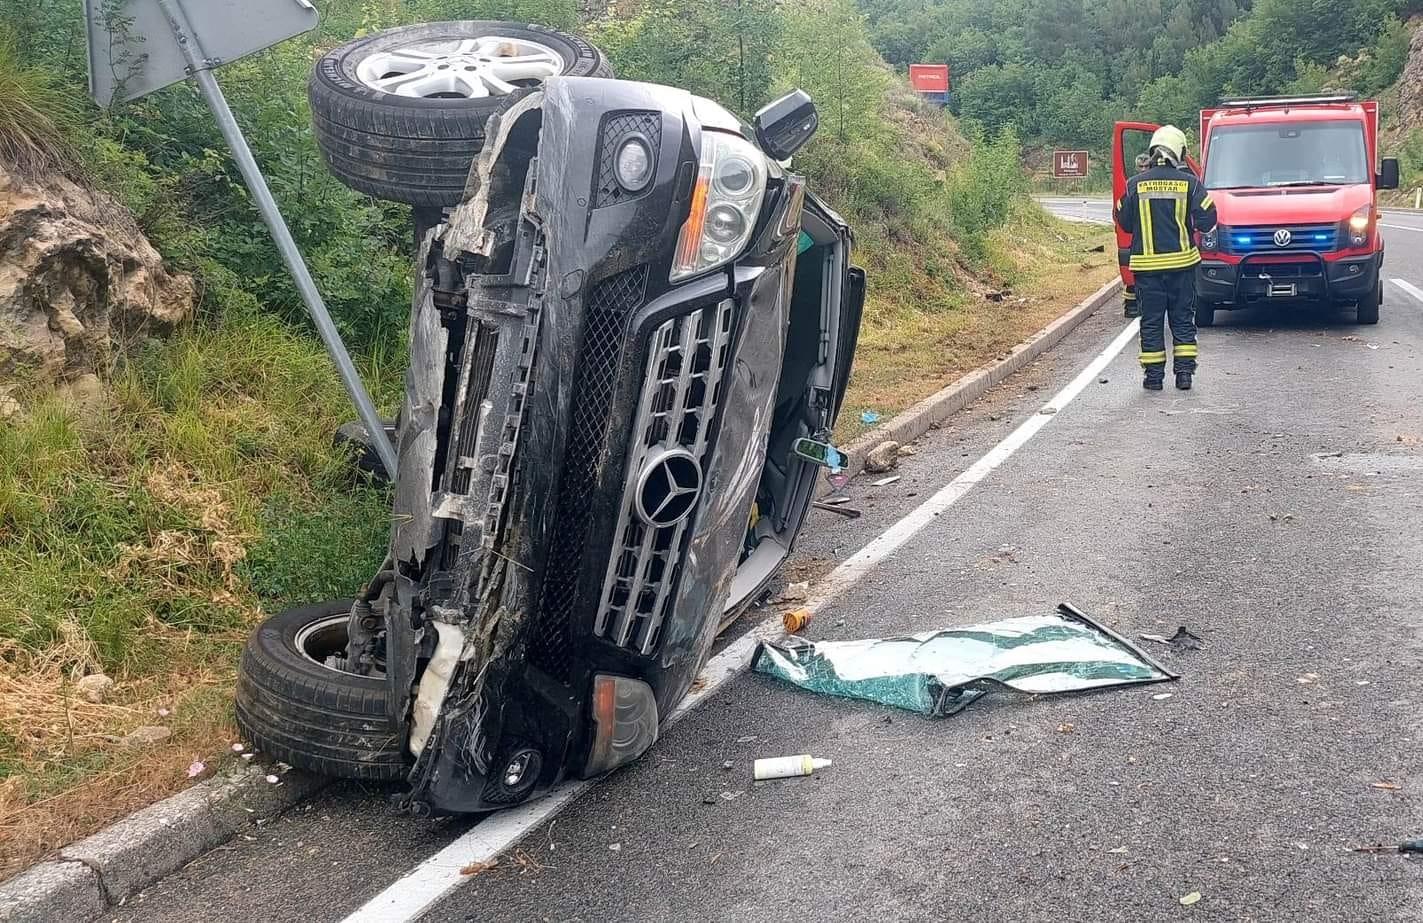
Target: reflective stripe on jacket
[1163, 209]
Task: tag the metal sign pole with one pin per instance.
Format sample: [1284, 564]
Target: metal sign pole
[200, 67]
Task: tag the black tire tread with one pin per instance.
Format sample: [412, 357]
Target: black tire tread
[313, 718]
[415, 151]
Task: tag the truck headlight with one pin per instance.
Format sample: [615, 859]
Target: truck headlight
[726, 200]
[1359, 225]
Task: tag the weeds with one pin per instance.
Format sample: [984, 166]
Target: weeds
[32, 107]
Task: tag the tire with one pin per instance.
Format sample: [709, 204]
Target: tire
[311, 716]
[1369, 307]
[1205, 314]
[418, 149]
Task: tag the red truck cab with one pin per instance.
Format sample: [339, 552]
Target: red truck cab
[1295, 187]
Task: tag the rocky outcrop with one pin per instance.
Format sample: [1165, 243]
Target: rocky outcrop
[79, 283]
[1410, 85]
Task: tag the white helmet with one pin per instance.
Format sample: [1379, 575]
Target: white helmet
[1169, 143]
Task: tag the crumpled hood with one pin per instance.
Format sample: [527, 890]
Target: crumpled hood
[1297, 205]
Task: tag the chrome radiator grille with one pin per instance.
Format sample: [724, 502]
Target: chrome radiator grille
[686, 361]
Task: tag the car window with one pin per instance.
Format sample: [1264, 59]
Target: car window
[1287, 154]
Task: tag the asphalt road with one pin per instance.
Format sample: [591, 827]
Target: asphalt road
[1276, 510]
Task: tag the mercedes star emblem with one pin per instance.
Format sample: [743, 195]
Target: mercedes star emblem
[668, 488]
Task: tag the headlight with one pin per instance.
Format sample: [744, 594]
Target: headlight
[633, 163]
[1359, 224]
[726, 200]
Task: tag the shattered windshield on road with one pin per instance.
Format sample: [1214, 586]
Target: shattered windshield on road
[1287, 154]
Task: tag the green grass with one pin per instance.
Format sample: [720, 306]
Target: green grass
[33, 106]
[145, 537]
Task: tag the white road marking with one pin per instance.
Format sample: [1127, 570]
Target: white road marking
[440, 874]
[1400, 227]
[1409, 288]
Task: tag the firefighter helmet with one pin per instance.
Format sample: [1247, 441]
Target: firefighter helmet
[1169, 142]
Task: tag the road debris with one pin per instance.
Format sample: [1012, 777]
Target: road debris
[709, 799]
[731, 796]
[196, 768]
[476, 868]
[787, 767]
[885, 482]
[1066, 727]
[1190, 899]
[728, 765]
[838, 510]
[795, 592]
[796, 619]
[615, 847]
[882, 458]
[1162, 697]
[1183, 638]
[836, 501]
[940, 673]
[1387, 786]
[1411, 847]
[870, 417]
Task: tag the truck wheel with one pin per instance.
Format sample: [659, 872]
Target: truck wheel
[292, 704]
[1205, 314]
[400, 115]
[1369, 307]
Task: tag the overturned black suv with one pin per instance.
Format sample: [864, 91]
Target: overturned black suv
[629, 325]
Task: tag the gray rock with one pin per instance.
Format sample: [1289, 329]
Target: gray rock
[95, 687]
[884, 457]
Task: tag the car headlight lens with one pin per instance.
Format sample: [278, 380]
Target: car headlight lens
[633, 164]
[726, 200]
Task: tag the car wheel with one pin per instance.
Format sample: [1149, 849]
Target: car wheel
[400, 115]
[1205, 314]
[1369, 307]
[296, 705]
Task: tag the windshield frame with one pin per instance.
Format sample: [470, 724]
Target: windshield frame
[1352, 131]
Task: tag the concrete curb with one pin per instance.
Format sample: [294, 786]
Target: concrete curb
[104, 870]
[925, 415]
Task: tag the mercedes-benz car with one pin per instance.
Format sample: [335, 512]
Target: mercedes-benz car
[630, 331]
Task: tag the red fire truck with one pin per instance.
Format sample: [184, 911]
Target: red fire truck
[1295, 182]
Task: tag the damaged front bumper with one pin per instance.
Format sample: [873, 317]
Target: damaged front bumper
[579, 450]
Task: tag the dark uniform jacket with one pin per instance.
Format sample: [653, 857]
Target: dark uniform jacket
[1162, 209]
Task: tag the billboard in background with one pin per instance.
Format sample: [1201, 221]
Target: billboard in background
[1069, 164]
[929, 78]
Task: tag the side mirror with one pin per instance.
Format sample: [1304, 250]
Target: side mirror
[784, 126]
[1388, 174]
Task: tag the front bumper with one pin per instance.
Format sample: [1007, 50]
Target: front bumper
[1303, 277]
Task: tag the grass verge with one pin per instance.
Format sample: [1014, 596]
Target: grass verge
[1038, 268]
[140, 537]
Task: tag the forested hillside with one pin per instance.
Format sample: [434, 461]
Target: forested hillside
[1061, 71]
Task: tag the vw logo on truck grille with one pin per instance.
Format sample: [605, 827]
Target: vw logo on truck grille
[1283, 237]
[668, 488]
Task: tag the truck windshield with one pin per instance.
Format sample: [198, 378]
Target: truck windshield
[1287, 154]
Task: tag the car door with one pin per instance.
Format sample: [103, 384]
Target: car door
[1129, 140]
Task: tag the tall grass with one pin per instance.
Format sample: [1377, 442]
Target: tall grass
[33, 106]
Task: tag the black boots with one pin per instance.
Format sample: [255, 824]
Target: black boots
[1183, 381]
[1153, 379]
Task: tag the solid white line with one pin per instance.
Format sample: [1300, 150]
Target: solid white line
[440, 874]
[1400, 227]
[1409, 288]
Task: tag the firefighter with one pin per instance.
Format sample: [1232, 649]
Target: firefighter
[1129, 306]
[1163, 209]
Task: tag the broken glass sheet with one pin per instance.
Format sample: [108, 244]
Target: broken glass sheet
[940, 673]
